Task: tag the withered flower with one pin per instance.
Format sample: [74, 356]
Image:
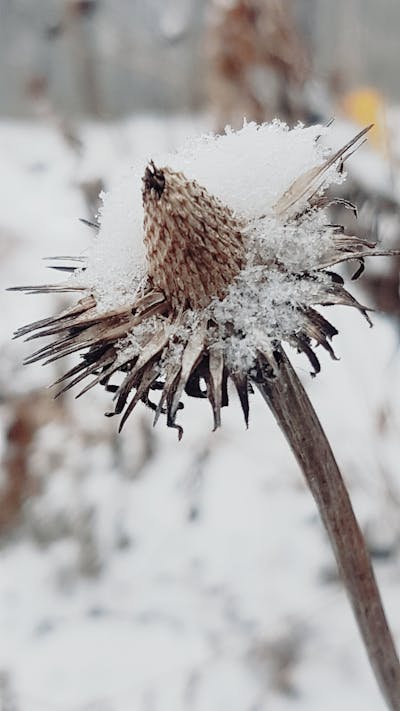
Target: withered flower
[239, 253]
[221, 291]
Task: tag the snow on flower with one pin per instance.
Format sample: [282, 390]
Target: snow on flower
[206, 260]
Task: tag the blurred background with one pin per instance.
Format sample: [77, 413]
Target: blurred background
[136, 573]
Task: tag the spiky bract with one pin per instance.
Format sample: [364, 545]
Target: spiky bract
[171, 338]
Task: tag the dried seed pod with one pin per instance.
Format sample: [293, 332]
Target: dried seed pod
[195, 247]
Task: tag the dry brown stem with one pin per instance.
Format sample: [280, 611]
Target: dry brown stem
[297, 418]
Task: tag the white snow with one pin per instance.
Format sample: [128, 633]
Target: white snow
[248, 170]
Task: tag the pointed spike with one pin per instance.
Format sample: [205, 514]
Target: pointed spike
[171, 376]
[159, 408]
[348, 255]
[64, 258]
[320, 322]
[322, 202]
[46, 350]
[82, 375]
[82, 306]
[240, 381]
[86, 338]
[150, 351]
[192, 387]
[122, 393]
[318, 328]
[77, 325]
[190, 359]
[69, 270]
[303, 346]
[89, 223]
[214, 391]
[359, 271]
[224, 389]
[310, 182]
[337, 278]
[47, 288]
[68, 351]
[338, 295]
[69, 374]
[148, 378]
[107, 373]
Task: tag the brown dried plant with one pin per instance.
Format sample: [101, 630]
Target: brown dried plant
[249, 45]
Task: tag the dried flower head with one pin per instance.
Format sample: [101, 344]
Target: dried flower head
[226, 277]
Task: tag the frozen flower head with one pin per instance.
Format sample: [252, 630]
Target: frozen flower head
[206, 261]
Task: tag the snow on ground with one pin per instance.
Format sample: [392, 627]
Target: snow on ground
[152, 575]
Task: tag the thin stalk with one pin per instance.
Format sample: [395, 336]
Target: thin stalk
[298, 420]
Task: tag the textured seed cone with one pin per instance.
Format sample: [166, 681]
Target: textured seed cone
[195, 246]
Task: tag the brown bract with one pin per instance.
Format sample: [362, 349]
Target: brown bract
[194, 243]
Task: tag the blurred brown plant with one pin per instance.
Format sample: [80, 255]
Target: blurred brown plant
[249, 45]
[27, 414]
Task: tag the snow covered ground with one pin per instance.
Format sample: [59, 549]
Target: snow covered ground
[151, 575]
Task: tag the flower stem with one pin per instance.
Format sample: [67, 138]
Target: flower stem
[298, 420]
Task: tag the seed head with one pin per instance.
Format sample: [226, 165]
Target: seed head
[225, 284]
[194, 244]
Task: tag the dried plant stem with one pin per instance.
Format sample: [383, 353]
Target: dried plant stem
[297, 418]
